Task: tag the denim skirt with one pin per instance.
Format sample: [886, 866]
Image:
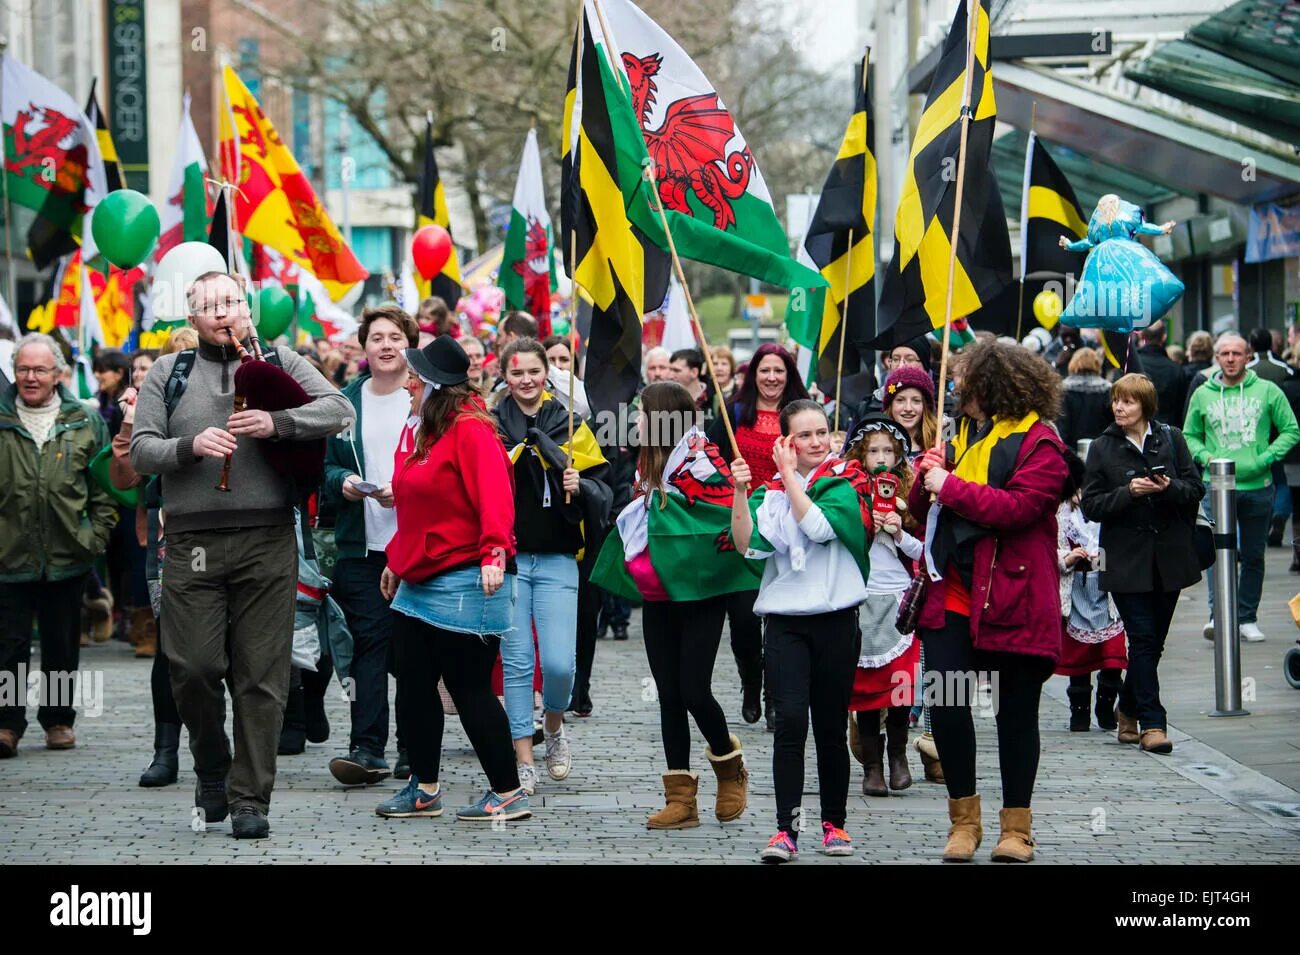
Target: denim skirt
[455, 601]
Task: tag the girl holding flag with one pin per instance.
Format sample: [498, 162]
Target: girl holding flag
[671, 550]
[811, 524]
[562, 496]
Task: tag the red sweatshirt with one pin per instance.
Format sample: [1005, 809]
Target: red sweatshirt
[455, 508]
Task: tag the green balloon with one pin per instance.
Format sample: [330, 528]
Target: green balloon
[125, 227]
[273, 312]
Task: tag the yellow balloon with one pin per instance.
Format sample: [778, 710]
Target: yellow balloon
[1047, 308]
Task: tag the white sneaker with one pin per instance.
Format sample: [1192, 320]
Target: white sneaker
[559, 758]
[1251, 633]
[527, 777]
[1207, 631]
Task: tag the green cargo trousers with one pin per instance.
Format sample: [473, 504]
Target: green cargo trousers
[227, 607]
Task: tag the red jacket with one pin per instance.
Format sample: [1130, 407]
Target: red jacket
[1015, 595]
[456, 506]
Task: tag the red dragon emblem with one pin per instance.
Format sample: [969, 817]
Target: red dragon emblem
[49, 148]
[535, 270]
[689, 148]
[716, 489]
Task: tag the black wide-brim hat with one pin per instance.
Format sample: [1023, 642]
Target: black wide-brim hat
[442, 361]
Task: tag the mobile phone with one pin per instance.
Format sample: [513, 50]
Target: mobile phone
[1156, 470]
[365, 487]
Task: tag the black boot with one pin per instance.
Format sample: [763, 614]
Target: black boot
[1080, 696]
[162, 771]
[1276, 527]
[1295, 559]
[1108, 683]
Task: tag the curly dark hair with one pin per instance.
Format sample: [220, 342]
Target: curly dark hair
[1009, 382]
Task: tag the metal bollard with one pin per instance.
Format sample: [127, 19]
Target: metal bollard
[1227, 647]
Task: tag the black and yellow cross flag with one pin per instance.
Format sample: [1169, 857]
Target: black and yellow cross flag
[113, 174]
[431, 209]
[915, 285]
[611, 261]
[846, 211]
[1048, 211]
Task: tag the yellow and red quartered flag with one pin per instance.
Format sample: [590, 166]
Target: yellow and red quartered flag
[274, 203]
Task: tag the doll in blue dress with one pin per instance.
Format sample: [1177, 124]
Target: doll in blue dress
[1124, 286]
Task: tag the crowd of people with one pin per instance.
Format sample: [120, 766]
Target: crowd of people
[480, 536]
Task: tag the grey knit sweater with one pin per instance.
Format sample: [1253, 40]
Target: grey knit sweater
[259, 496]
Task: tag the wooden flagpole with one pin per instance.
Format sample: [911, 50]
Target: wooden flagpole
[972, 24]
[573, 324]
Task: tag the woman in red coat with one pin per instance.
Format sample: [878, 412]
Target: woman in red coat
[992, 608]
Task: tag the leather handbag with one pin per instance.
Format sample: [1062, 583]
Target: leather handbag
[909, 608]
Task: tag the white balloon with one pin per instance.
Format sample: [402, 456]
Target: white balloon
[176, 273]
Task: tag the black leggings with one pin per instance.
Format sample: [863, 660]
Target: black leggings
[896, 718]
[810, 665]
[681, 644]
[464, 662]
[953, 665]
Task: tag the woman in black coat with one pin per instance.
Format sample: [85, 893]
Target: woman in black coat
[1147, 550]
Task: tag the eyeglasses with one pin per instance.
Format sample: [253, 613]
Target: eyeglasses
[23, 371]
[225, 307]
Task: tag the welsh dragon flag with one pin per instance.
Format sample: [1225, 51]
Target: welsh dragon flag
[664, 110]
[687, 541]
[528, 268]
[841, 489]
[52, 158]
[187, 210]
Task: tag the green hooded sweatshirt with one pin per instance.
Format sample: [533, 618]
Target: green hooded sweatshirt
[1235, 421]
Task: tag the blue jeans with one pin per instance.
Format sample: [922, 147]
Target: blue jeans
[1254, 509]
[1281, 493]
[547, 599]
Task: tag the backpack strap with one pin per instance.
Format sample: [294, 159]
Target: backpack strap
[175, 387]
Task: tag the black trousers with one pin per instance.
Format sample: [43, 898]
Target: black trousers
[1146, 622]
[746, 635]
[463, 662]
[953, 669]
[589, 602]
[371, 620]
[56, 608]
[810, 666]
[681, 645]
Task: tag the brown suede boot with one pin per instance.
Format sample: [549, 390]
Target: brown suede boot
[144, 632]
[680, 811]
[100, 616]
[966, 831]
[855, 737]
[873, 762]
[929, 758]
[1128, 728]
[1015, 844]
[733, 782]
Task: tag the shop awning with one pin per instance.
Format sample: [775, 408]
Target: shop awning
[1165, 148]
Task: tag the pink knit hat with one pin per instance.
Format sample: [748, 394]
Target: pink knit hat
[909, 376]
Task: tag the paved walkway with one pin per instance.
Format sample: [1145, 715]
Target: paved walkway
[1228, 794]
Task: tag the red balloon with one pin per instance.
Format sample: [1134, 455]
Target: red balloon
[431, 248]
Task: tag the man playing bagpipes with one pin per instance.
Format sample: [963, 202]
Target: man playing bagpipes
[229, 577]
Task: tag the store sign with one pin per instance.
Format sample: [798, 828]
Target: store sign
[127, 108]
[1274, 232]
